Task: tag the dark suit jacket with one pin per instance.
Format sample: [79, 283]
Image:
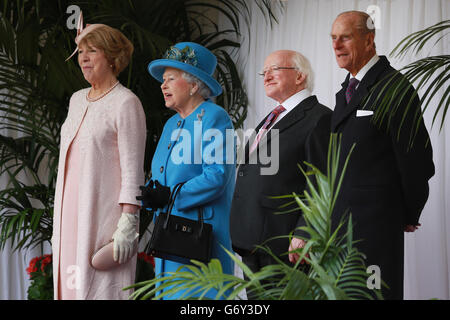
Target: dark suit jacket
[303, 136]
[386, 183]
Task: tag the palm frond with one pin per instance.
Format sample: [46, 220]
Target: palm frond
[429, 75]
[416, 41]
[191, 281]
[27, 221]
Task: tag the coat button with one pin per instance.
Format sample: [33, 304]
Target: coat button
[170, 144]
[179, 123]
[161, 169]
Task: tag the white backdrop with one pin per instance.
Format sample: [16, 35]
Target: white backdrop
[305, 26]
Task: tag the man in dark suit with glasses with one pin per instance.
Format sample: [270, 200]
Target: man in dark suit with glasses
[301, 127]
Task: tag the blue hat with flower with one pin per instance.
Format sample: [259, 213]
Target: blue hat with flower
[191, 58]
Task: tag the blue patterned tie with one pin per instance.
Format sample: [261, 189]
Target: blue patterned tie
[351, 88]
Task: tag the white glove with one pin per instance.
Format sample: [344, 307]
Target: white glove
[125, 236]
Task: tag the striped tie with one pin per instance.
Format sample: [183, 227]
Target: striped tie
[266, 126]
[351, 88]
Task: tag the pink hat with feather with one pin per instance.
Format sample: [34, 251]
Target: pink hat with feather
[82, 32]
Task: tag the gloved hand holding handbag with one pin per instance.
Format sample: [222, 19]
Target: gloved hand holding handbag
[125, 237]
[154, 195]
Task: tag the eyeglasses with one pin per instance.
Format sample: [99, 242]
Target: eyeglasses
[274, 69]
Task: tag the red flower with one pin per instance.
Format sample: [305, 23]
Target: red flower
[32, 267]
[43, 261]
[147, 258]
[47, 259]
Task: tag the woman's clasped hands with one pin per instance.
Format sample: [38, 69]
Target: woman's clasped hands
[154, 195]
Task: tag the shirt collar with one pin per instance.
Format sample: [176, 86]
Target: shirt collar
[360, 75]
[291, 102]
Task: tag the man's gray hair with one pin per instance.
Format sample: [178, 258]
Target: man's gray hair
[364, 23]
[203, 89]
[303, 65]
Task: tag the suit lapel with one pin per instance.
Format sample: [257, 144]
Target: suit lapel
[252, 138]
[342, 111]
[341, 105]
[296, 115]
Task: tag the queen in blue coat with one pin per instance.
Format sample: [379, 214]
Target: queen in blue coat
[196, 147]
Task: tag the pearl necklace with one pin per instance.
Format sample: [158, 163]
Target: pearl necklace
[102, 95]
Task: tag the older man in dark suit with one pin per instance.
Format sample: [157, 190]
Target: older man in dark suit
[301, 127]
[386, 183]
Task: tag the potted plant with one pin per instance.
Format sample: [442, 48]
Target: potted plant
[41, 276]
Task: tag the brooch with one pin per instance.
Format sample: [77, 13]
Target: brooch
[186, 55]
[200, 115]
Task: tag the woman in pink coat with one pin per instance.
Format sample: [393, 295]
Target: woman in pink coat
[99, 173]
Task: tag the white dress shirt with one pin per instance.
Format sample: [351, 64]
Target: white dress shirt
[361, 73]
[291, 102]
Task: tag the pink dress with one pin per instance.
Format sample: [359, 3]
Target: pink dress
[69, 224]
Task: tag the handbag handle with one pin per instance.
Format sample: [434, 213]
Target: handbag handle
[200, 219]
[172, 198]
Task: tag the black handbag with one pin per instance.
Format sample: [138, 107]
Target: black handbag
[180, 239]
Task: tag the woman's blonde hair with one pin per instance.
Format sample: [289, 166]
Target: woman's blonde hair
[117, 48]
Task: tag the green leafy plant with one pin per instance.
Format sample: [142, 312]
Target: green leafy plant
[41, 276]
[36, 84]
[335, 268]
[430, 74]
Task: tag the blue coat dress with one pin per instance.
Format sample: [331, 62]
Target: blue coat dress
[199, 150]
